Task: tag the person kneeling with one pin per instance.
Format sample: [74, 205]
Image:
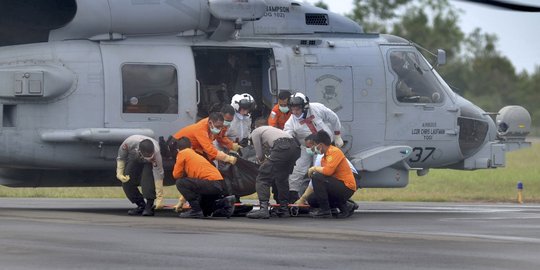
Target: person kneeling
[333, 181]
[196, 176]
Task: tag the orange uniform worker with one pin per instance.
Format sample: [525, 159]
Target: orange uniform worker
[333, 181]
[280, 113]
[196, 176]
[203, 133]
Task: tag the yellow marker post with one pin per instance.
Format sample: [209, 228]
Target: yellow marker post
[520, 192]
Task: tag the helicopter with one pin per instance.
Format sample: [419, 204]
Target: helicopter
[77, 77]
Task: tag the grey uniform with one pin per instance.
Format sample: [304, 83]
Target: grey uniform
[283, 150]
[263, 139]
[141, 171]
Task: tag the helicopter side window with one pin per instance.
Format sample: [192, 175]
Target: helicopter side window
[149, 89]
[416, 82]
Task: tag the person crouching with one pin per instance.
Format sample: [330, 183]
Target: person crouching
[333, 181]
[196, 176]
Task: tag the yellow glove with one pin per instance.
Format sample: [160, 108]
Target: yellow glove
[236, 147]
[159, 194]
[303, 199]
[180, 204]
[226, 158]
[231, 159]
[313, 170]
[120, 166]
[310, 171]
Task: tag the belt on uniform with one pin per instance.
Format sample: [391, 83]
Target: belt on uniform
[290, 141]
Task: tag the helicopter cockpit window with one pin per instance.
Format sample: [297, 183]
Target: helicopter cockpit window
[416, 82]
[149, 89]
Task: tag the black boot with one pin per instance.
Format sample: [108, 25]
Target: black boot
[321, 213]
[262, 213]
[346, 210]
[138, 210]
[194, 212]
[149, 209]
[283, 210]
[225, 207]
[355, 204]
[335, 212]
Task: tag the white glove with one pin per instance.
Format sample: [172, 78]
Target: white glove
[159, 194]
[120, 166]
[338, 141]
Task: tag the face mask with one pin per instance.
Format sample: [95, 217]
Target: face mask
[214, 130]
[310, 152]
[299, 117]
[317, 151]
[284, 109]
[240, 116]
[227, 123]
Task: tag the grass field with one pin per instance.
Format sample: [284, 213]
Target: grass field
[497, 185]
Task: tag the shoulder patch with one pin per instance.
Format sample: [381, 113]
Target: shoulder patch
[124, 146]
[329, 158]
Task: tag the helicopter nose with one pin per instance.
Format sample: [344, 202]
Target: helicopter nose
[474, 127]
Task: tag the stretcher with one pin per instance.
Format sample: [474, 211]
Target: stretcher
[294, 209]
[241, 209]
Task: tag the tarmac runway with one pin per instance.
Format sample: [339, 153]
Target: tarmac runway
[97, 234]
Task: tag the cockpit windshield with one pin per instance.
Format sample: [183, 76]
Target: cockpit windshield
[416, 82]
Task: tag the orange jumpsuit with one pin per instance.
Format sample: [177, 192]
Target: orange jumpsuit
[277, 118]
[192, 165]
[335, 164]
[202, 139]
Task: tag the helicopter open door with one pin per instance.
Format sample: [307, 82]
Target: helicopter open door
[148, 85]
[419, 112]
[223, 72]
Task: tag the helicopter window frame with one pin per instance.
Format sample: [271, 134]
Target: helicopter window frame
[150, 88]
[410, 71]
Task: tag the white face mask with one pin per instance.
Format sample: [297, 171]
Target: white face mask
[317, 150]
[284, 109]
[213, 129]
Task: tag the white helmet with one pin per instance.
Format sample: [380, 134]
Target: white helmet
[243, 101]
[299, 99]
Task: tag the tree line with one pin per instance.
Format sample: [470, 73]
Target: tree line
[475, 68]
